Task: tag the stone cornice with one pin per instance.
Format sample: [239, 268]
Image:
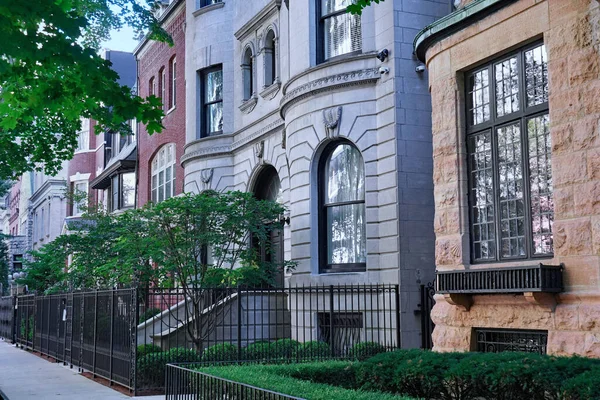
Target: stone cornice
[257, 19]
[228, 149]
[47, 185]
[328, 83]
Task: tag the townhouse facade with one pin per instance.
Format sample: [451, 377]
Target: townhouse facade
[328, 113]
[516, 175]
[161, 72]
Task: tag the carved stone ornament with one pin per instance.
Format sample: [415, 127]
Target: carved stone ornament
[331, 119]
[206, 175]
[259, 149]
[248, 105]
[283, 139]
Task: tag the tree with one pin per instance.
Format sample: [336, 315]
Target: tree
[359, 5]
[51, 75]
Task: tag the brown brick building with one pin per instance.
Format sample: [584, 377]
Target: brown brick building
[515, 88]
[161, 72]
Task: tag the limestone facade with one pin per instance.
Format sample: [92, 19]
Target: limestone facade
[298, 105]
[570, 31]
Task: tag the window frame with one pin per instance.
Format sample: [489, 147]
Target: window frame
[155, 171]
[75, 211]
[203, 105]
[270, 59]
[206, 3]
[173, 88]
[492, 125]
[324, 266]
[320, 23]
[162, 87]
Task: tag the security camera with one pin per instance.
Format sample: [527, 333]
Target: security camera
[420, 68]
[384, 70]
[382, 55]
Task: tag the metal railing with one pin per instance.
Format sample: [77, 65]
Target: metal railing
[184, 383]
[7, 316]
[537, 278]
[128, 336]
[92, 330]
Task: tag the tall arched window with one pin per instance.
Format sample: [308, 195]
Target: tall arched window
[163, 173]
[342, 222]
[270, 59]
[247, 68]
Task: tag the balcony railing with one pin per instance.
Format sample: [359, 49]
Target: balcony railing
[538, 278]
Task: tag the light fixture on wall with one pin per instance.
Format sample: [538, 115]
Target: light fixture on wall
[382, 55]
[420, 68]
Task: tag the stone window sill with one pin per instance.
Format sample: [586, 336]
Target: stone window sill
[248, 105]
[208, 8]
[271, 91]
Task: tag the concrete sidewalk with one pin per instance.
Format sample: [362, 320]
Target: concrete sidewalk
[25, 376]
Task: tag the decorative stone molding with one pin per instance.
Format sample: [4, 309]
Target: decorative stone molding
[283, 139]
[329, 83]
[269, 92]
[462, 301]
[259, 149]
[260, 17]
[248, 105]
[331, 119]
[268, 128]
[206, 176]
[208, 152]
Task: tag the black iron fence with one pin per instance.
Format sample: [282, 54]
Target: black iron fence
[93, 330]
[128, 336]
[7, 316]
[427, 325]
[185, 383]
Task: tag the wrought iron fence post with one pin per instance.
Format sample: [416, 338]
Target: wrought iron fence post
[95, 331]
[239, 323]
[331, 332]
[398, 333]
[13, 332]
[135, 302]
[112, 331]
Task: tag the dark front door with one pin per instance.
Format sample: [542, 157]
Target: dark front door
[268, 187]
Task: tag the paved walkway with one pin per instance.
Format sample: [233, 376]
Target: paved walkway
[25, 376]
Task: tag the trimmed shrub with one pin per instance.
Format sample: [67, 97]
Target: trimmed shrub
[257, 351]
[582, 387]
[151, 367]
[312, 350]
[220, 352]
[144, 349]
[149, 313]
[284, 348]
[362, 351]
[279, 350]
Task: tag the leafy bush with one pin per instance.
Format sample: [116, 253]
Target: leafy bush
[279, 350]
[220, 352]
[151, 367]
[149, 313]
[583, 387]
[362, 351]
[144, 349]
[312, 350]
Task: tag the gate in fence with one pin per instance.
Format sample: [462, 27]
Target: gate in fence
[427, 325]
[92, 330]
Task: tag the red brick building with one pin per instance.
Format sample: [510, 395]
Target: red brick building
[161, 73]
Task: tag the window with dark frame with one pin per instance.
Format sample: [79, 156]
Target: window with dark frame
[342, 224]
[163, 87]
[211, 101]
[339, 31]
[509, 158]
[204, 3]
[152, 87]
[270, 59]
[248, 74]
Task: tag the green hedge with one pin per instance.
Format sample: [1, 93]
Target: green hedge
[151, 367]
[220, 352]
[279, 378]
[364, 350]
[144, 349]
[279, 350]
[465, 376]
[312, 350]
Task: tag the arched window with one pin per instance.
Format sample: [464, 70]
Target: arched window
[247, 69]
[270, 59]
[342, 223]
[163, 173]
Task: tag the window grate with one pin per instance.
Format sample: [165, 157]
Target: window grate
[346, 329]
[500, 340]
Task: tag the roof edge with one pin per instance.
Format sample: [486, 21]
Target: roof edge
[454, 22]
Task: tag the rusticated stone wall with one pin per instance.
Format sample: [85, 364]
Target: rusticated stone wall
[571, 33]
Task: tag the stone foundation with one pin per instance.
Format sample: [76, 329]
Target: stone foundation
[574, 327]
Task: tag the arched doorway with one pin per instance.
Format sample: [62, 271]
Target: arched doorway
[268, 187]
